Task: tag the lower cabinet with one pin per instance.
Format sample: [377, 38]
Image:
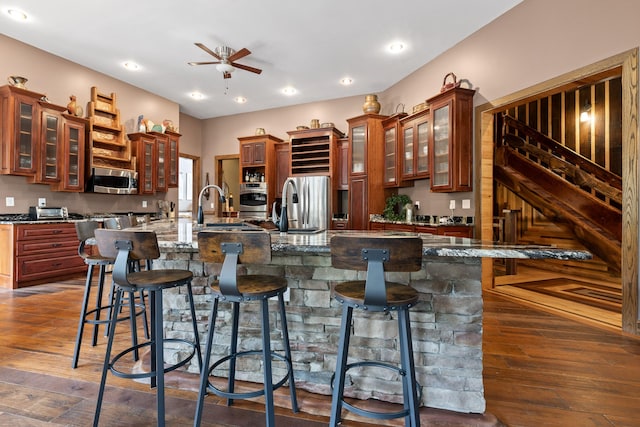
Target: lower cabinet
[38, 253]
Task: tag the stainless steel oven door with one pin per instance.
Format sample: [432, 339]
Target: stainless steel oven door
[253, 199]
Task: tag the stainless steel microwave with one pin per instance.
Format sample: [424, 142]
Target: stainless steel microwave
[113, 181]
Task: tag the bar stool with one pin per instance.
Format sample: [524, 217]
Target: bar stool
[85, 232]
[376, 255]
[125, 246]
[230, 249]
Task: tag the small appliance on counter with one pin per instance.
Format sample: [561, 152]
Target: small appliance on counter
[38, 213]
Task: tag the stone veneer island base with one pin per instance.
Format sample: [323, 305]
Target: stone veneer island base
[446, 324]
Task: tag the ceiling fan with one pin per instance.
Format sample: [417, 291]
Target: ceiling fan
[226, 58]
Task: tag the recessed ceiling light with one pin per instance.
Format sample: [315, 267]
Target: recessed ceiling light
[240, 99]
[346, 81]
[131, 66]
[17, 14]
[396, 47]
[289, 90]
[196, 95]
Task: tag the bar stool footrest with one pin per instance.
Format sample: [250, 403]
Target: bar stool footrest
[249, 394]
[375, 414]
[151, 374]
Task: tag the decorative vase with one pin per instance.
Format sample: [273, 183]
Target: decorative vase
[371, 104]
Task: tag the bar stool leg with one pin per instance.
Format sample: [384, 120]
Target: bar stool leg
[233, 349]
[204, 367]
[132, 321]
[158, 348]
[107, 356]
[341, 365]
[83, 311]
[409, 378]
[194, 323]
[287, 352]
[266, 356]
[101, 275]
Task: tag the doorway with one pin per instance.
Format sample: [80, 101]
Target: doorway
[188, 185]
[228, 178]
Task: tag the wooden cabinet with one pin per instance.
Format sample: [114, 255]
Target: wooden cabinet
[20, 113]
[283, 167]
[173, 158]
[393, 153]
[313, 151]
[451, 158]
[341, 175]
[49, 144]
[144, 147]
[366, 178]
[160, 162]
[414, 142]
[38, 253]
[72, 156]
[258, 162]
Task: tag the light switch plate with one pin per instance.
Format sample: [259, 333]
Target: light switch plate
[42, 202]
[9, 201]
[144, 203]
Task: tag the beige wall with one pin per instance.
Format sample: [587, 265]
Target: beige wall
[535, 41]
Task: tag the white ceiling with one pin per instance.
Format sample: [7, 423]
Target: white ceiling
[310, 45]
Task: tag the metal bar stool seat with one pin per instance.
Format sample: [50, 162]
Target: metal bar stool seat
[85, 231]
[230, 249]
[376, 255]
[126, 246]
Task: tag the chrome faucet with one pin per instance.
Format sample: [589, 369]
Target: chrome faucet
[205, 188]
[284, 220]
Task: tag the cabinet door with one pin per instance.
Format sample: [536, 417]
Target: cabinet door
[48, 170]
[161, 164]
[73, 161]
[358, 212]
[358, 150]
[343, 165]
[259, 153]
[246, 154]
[282, 167]
[440, 176]
[390, 159]
[407, 150]
[146, 170]
[25, 136]
[422, 149]
[173, 161]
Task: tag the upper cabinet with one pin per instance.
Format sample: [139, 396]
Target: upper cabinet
[414, 140]
[393, 152]
[283, 167]
[40, 141]
[144, 147]
[20, 112]
[173, 158]
[451, 158]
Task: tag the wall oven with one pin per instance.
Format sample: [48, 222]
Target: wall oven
[253, 200]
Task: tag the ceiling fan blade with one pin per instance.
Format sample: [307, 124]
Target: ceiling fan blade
[203, 63]
[226, 75]
[209, 51]
[247, 68]
[239, 54]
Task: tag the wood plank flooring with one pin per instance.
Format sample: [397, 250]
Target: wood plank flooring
[540, 370]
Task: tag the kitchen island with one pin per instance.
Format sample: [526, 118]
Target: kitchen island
[446, 323]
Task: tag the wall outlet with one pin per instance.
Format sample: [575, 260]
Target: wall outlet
[144, 203]
[9, 201]
[417, 205]
[452, 204]
[212, 205]
[466, 204]
[42, 202]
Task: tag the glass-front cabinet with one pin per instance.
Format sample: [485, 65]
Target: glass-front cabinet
[393, 152]
[451, 158]
[48, 170]
[358, 144]
[72, 155]
[414, 140]
[173, 159]
[162, 143]
[144, 146]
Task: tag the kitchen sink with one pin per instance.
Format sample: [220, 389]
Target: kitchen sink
[233, 226]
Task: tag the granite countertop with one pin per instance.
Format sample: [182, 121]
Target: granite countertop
[181, 236]
[383, 220]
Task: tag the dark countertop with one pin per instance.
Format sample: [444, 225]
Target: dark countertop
[181, 236]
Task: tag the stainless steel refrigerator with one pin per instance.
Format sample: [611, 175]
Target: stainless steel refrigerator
[312, 212]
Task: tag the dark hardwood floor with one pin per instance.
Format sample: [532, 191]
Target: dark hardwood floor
[540, 370]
